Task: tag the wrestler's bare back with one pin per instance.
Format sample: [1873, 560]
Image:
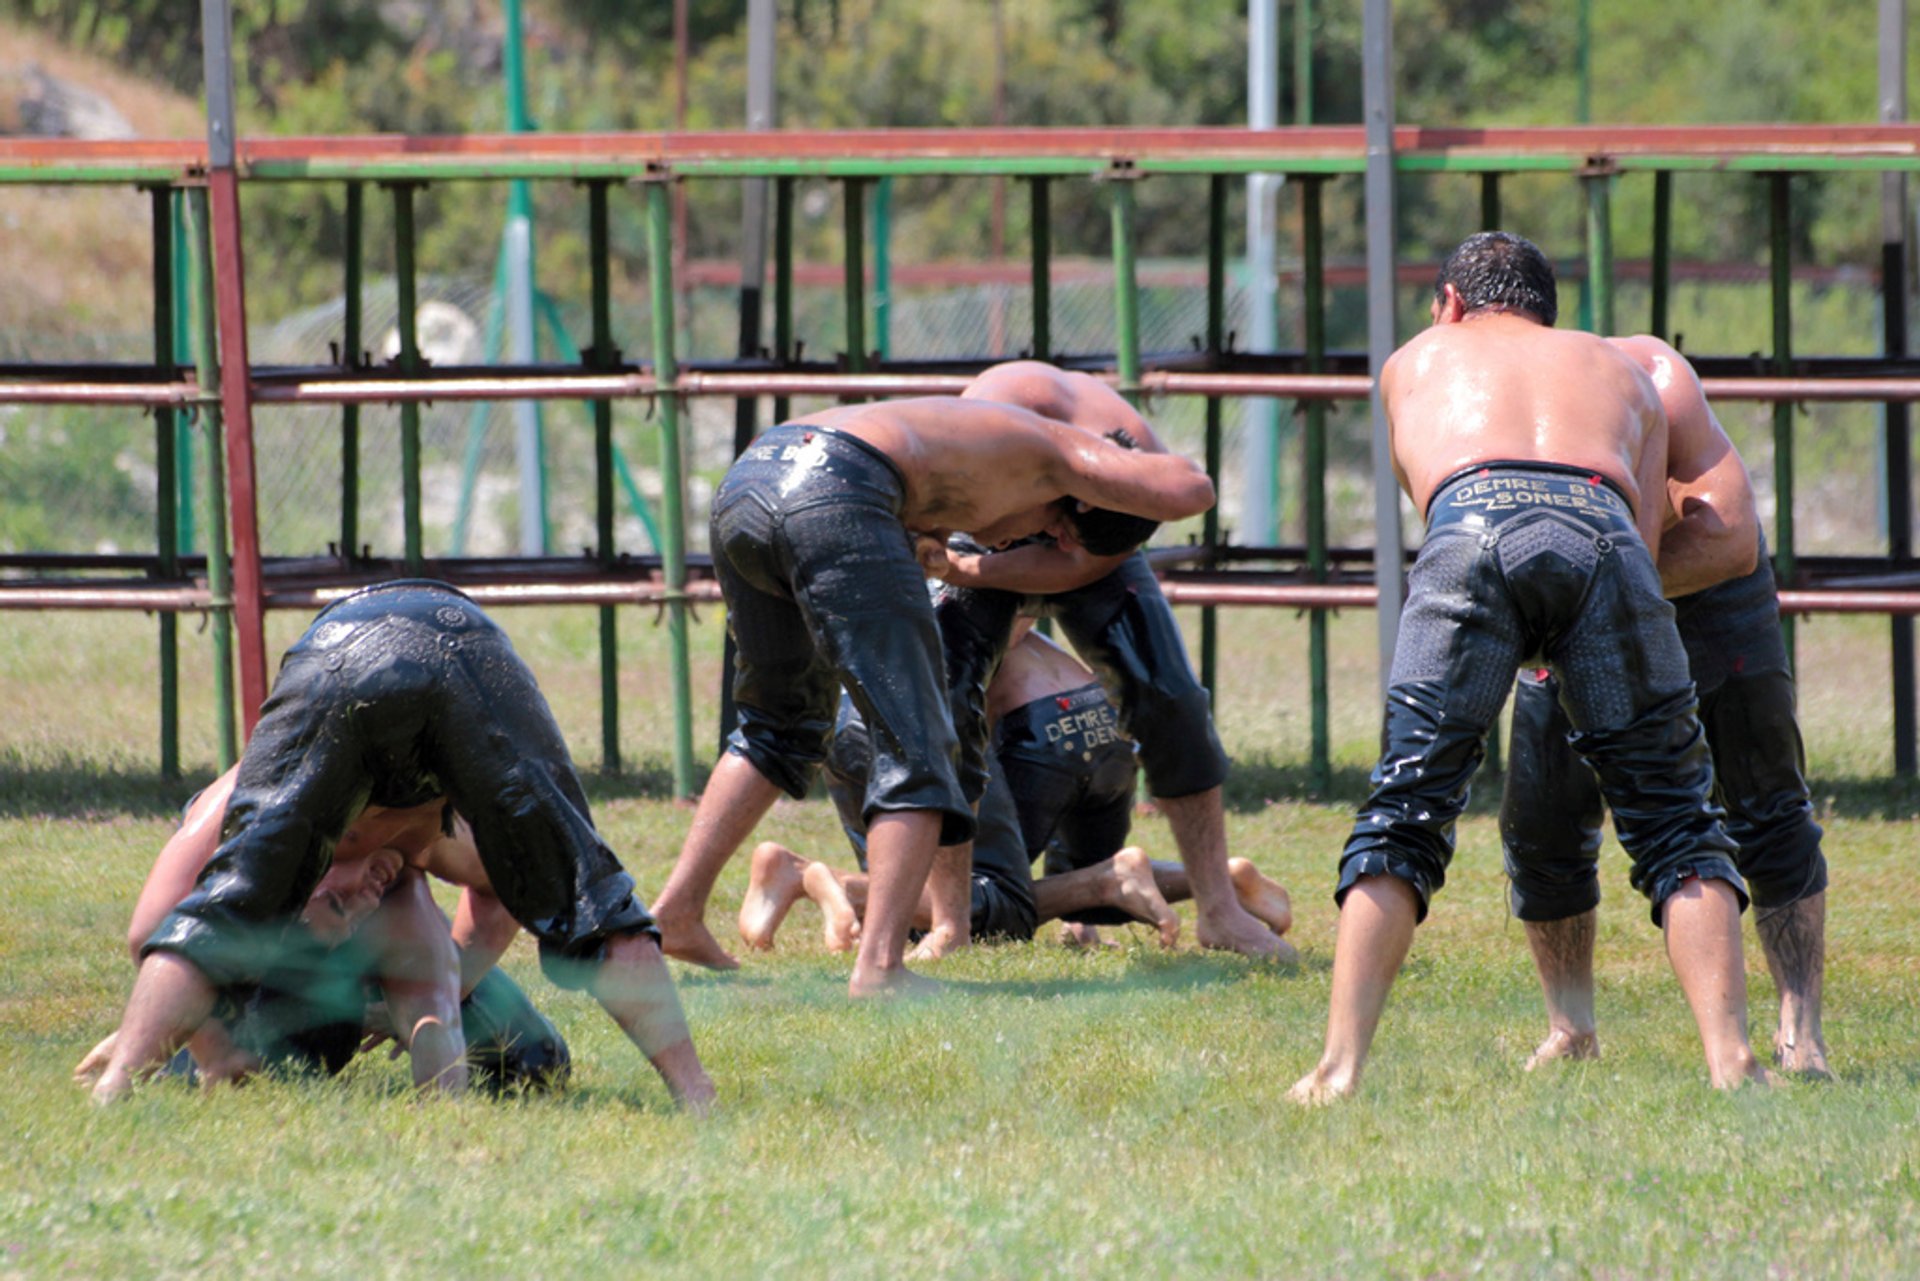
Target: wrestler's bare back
[1497, 386]
[991, 470]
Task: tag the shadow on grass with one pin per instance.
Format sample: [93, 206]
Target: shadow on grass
[67, 788]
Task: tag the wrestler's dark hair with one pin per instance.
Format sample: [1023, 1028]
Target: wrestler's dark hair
[1102, 531]
[1499, 271]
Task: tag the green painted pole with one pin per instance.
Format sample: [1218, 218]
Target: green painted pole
[1662, 253]
[1303, 62]
[782, 284]
[855, 288]
[166, 531]
[409, 367]
[1600, 250]
[1216, 343]
[1313, 282]
[350, 345]
[673, 481]
[1126, 291]
[1489, 202]
[1042, 217]
[183, 339]
[883, 267]
[1781, 227]
[602, 358]
[219, 573]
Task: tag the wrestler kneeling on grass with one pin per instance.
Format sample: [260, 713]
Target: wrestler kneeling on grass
[371, 956]
[399, 701]
[1061, 786]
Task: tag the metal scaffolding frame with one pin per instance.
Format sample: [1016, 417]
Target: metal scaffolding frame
[224, 387]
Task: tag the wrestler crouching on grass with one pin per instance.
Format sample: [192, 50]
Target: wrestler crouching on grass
[813, 534]
[1539, 457]
[371, 956]
[399, 702]
[1061, 787]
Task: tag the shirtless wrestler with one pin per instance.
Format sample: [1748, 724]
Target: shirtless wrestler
[813, 535]
[1713, 566]
[1539, 457]
[399, 701]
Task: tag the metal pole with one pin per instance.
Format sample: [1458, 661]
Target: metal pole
[602, 358]
[855, 288]
[1314, 309]
[1583, 103]
[1216, 343]
[1042, 218]
[1897, 442]
[1388, 562]
[1662, 253]
[1260, 442]
[1126, 291]
[1600, 249]
[673, 513]
[166, 525]
[219, 573]
[782, 283]
[409, 367]
[350, 349]
[1303, 62]
[883, 267]
[236, 392]
[1779, 223]
[1489, 202]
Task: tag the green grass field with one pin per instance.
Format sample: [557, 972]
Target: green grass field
[1115, 1114]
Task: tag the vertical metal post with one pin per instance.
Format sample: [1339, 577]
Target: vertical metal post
[236, 385]
[529, 438]
[1042, 218]
[404, 285]
[673, 503]
[1313, 272]
[883, 267]
[1600, 249]
[855, 287]
[1896, 423]
[1489, 202]
[350, 347]
[1662, 284]
[1303, 62]
[184, 427]
[219, 572]
[1216, 343]
[1389, 565]
[1260, 448]
[602, 358]
[782, 284]
[166, 531]
[1126, 291]
[1780, 226]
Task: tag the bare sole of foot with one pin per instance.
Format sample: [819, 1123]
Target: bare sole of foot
[839, 923]
[1241, 932]
[1562, 1044]
[1138, 896]
[899, 984]
[1262, 896]
[1080, 934]
[694, 943]
[773, 887]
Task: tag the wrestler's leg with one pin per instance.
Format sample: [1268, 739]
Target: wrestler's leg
[773, 887]
[1124, 883]
[841, 898]
[632, 984]
[1702, 924]
[900, 850]
[1794, 938]
[1376, 929]
[1563, 957]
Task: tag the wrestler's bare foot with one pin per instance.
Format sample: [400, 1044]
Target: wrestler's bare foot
[1136, 894]
[898, 982]
[1562, 1043]
[1261, 895]
[936, 943]
[1324, 1085]
[1800, 1055]
[773, 887]
[691, 941]
[839, 923]
[1231, 928]
[1080, 934]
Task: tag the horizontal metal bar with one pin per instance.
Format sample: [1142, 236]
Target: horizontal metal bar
[142, 394]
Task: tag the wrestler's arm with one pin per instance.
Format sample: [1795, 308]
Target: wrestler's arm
[482, 926]
[1715, 534]
[180, 862]
[1102, 474]
[1034, 569]
[418, 969]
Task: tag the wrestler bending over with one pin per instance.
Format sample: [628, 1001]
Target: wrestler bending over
[1540, 459]
[1062, 787]
[399, 701]
[813, 534]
